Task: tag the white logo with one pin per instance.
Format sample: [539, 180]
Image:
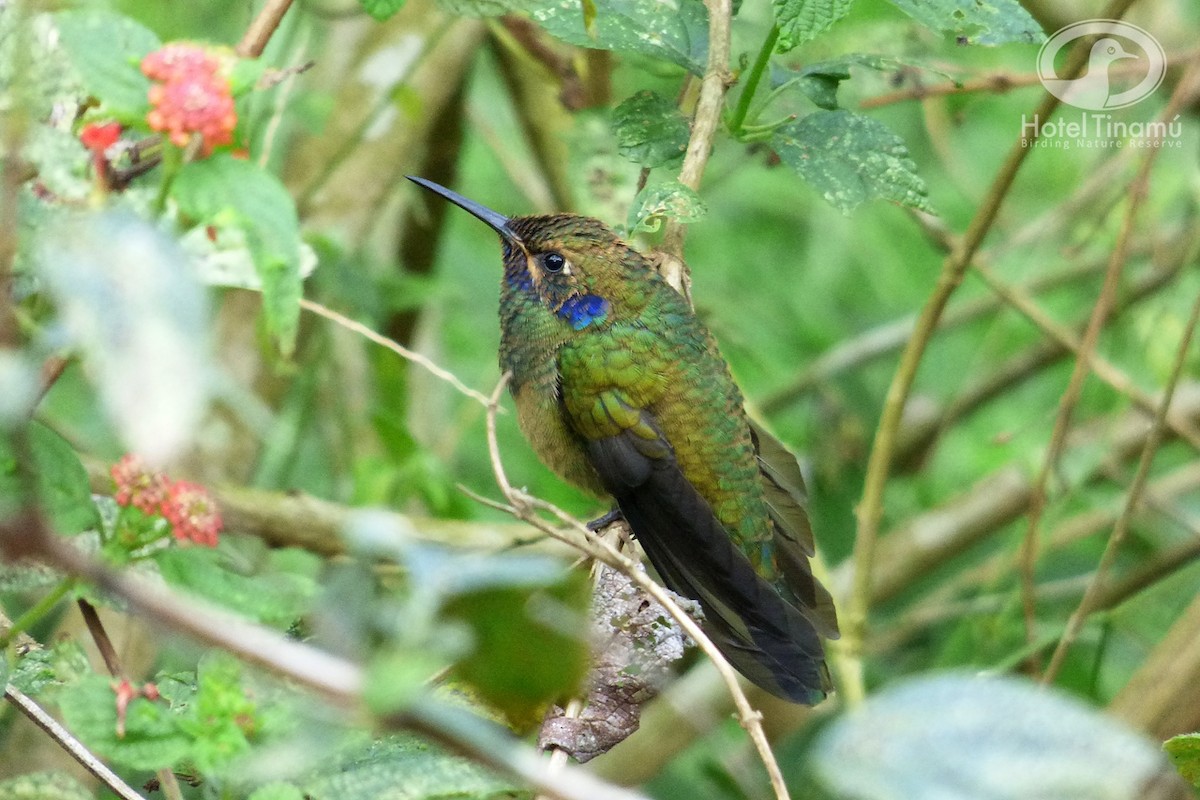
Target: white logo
[1119, 43]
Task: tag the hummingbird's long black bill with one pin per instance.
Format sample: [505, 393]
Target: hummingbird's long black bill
[493, 219]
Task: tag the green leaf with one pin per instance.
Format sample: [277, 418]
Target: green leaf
[224, 189]
[61, 481]
[669, 199]
[106, 50]
[152, 740]
[220, 717]
[1184, 752]
[850, 159]
[976, 21]
[60, 664]
[985, 739]
[277, 791]
[529, 644]
[381, 9]
[800, 21]
[650, 130]
[676, 32]
[273, 597]
[126, 295]
[44, 786]
[403, 767]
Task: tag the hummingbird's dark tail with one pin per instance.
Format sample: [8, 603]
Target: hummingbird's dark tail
[767, 638]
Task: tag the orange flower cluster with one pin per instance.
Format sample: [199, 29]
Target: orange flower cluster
[190, 509]
[191, 96]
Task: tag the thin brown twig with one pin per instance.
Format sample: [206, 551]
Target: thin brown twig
[262, 28]
[870, 509]
[524, 506]
[1138, 192]
[705, 122]
[995, 83]
[395, 347]
[72, 746]
[1132, 500]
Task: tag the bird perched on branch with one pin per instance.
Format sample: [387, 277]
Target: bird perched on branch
[622, 392]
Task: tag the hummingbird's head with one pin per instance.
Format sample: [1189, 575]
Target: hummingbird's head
[576, 266]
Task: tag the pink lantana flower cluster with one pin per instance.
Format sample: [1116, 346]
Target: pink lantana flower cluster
[191, 96]
[188, 506]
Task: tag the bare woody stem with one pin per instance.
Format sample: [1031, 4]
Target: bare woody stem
[870, 509]
[255, 39]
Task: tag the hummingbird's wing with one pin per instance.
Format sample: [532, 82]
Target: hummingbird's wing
[787, 505]
[767, 638]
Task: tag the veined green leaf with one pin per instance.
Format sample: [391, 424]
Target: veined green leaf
[850, 159]
[224, 187]
[106, 50]
[976, 21]
[800, 21]
[669, 200]
[650, 129]
[670, 30]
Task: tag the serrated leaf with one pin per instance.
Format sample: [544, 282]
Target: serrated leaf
[403, 767]
[60, 664]
[650, 129]
[850, 159]
[667, 200]
[61, 481]
[220, 717]
[1184, 752]
[44, 786]
[957, 736]
[381, 9]
[670, 30]
[224, 187]
[106, 50]
[986, 22]
[126, 295]
[152, 740]
[800, 21]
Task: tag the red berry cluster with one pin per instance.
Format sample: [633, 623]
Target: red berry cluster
[191, 96]
[190, 509]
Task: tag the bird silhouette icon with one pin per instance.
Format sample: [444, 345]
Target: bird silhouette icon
[1091, 90]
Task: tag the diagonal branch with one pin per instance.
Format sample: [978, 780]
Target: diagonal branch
[525, 507]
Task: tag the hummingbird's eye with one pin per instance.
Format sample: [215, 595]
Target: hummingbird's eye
[553, 262]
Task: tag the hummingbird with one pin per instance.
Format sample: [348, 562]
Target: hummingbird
[621, 390]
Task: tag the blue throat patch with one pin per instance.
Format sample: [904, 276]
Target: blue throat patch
[582, 310]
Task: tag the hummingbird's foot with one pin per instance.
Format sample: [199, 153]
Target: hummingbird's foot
[605, 520]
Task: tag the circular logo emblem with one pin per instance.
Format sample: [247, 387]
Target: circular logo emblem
[1119, 43]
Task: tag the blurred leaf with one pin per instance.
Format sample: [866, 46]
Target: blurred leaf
[1184, 752]
[955, 736]
[800, 21]
[396, 676]
[529, 643]
[850, 159]
[381, 9]
[125, 294]
[43, 786]
[60, 664]
[273, 597]
[403, 767]
[277, 791]
[976, 21]
[106, 50]
[650, 130]
[152, 740]
[670, 200]
[61, 481]
[228, 189]
[23, 576]
[676, 32]
[220, 717]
